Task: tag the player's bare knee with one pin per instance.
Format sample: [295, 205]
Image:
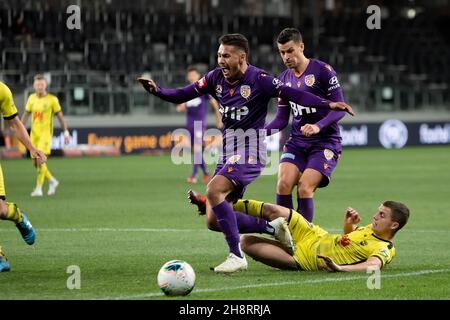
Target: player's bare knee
[3, 209]
[306, 189]
[214, 195]
[272, 211]
[284, 187]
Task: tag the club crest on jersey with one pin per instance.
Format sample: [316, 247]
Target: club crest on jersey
[309, 80]
[234, 159]
[299, 84]
[245, 91]
[328, 154]
[201, 83]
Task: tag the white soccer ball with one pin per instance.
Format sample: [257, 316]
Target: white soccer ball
[176, 278]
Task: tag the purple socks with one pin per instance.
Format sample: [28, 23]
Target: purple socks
[306, 208]
[285, 200]
[228, 224]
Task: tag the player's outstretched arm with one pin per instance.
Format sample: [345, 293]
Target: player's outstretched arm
[275, 88]
[178, 95]
[372, 263]
[310, 100]
[21, 133]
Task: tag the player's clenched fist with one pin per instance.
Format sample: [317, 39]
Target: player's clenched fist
[352, 216]
[148, 84]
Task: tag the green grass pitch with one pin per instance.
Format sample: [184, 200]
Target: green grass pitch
[120, 218]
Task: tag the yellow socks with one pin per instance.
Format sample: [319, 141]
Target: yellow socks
[251, 207]
[43, 173]
[13, 213]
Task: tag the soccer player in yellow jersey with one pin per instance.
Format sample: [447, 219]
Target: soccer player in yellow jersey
[9, 210]
[308, 247]
[43, 105]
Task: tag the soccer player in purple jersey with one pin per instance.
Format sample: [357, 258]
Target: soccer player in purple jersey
[197, 111]
[243, 92]
[314, 146]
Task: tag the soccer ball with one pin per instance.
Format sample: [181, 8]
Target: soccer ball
[176, 278]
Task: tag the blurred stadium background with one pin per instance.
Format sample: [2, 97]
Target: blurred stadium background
[401, 70]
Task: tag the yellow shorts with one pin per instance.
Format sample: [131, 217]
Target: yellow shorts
[306, 236]
[2, 185]
[42, 144]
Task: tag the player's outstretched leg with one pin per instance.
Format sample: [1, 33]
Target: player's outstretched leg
[10, 211]
[4, 264]
[277, 215]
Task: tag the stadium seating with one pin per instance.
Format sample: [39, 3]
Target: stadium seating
[123, 43]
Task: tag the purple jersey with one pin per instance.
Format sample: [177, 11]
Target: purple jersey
[319, 79]
[243, 105]
[197, 110]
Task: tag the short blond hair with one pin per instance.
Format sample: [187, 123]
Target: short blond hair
[39, 76]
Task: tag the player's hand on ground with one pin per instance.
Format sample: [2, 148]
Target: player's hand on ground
[39, 156]
[330, 265]
[352, 216]
[148, 84]
[309, 129]
[342, 106]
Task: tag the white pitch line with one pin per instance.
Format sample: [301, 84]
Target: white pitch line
[277, 284]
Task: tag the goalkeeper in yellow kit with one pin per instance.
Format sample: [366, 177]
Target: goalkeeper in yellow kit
[305, 246]
[43, 105]
[9, 210]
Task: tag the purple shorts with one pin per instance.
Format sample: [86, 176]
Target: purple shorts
[322, 157]
[240, 175]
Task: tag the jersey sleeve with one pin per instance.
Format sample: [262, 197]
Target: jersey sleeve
[56, 107]
[205, 85]
[7, 106]
[384, 254]
[274, 87]
[330, 83]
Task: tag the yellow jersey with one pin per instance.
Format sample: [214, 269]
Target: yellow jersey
[42, 110]
[7, 107]
[351, 248]
[8, 110]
